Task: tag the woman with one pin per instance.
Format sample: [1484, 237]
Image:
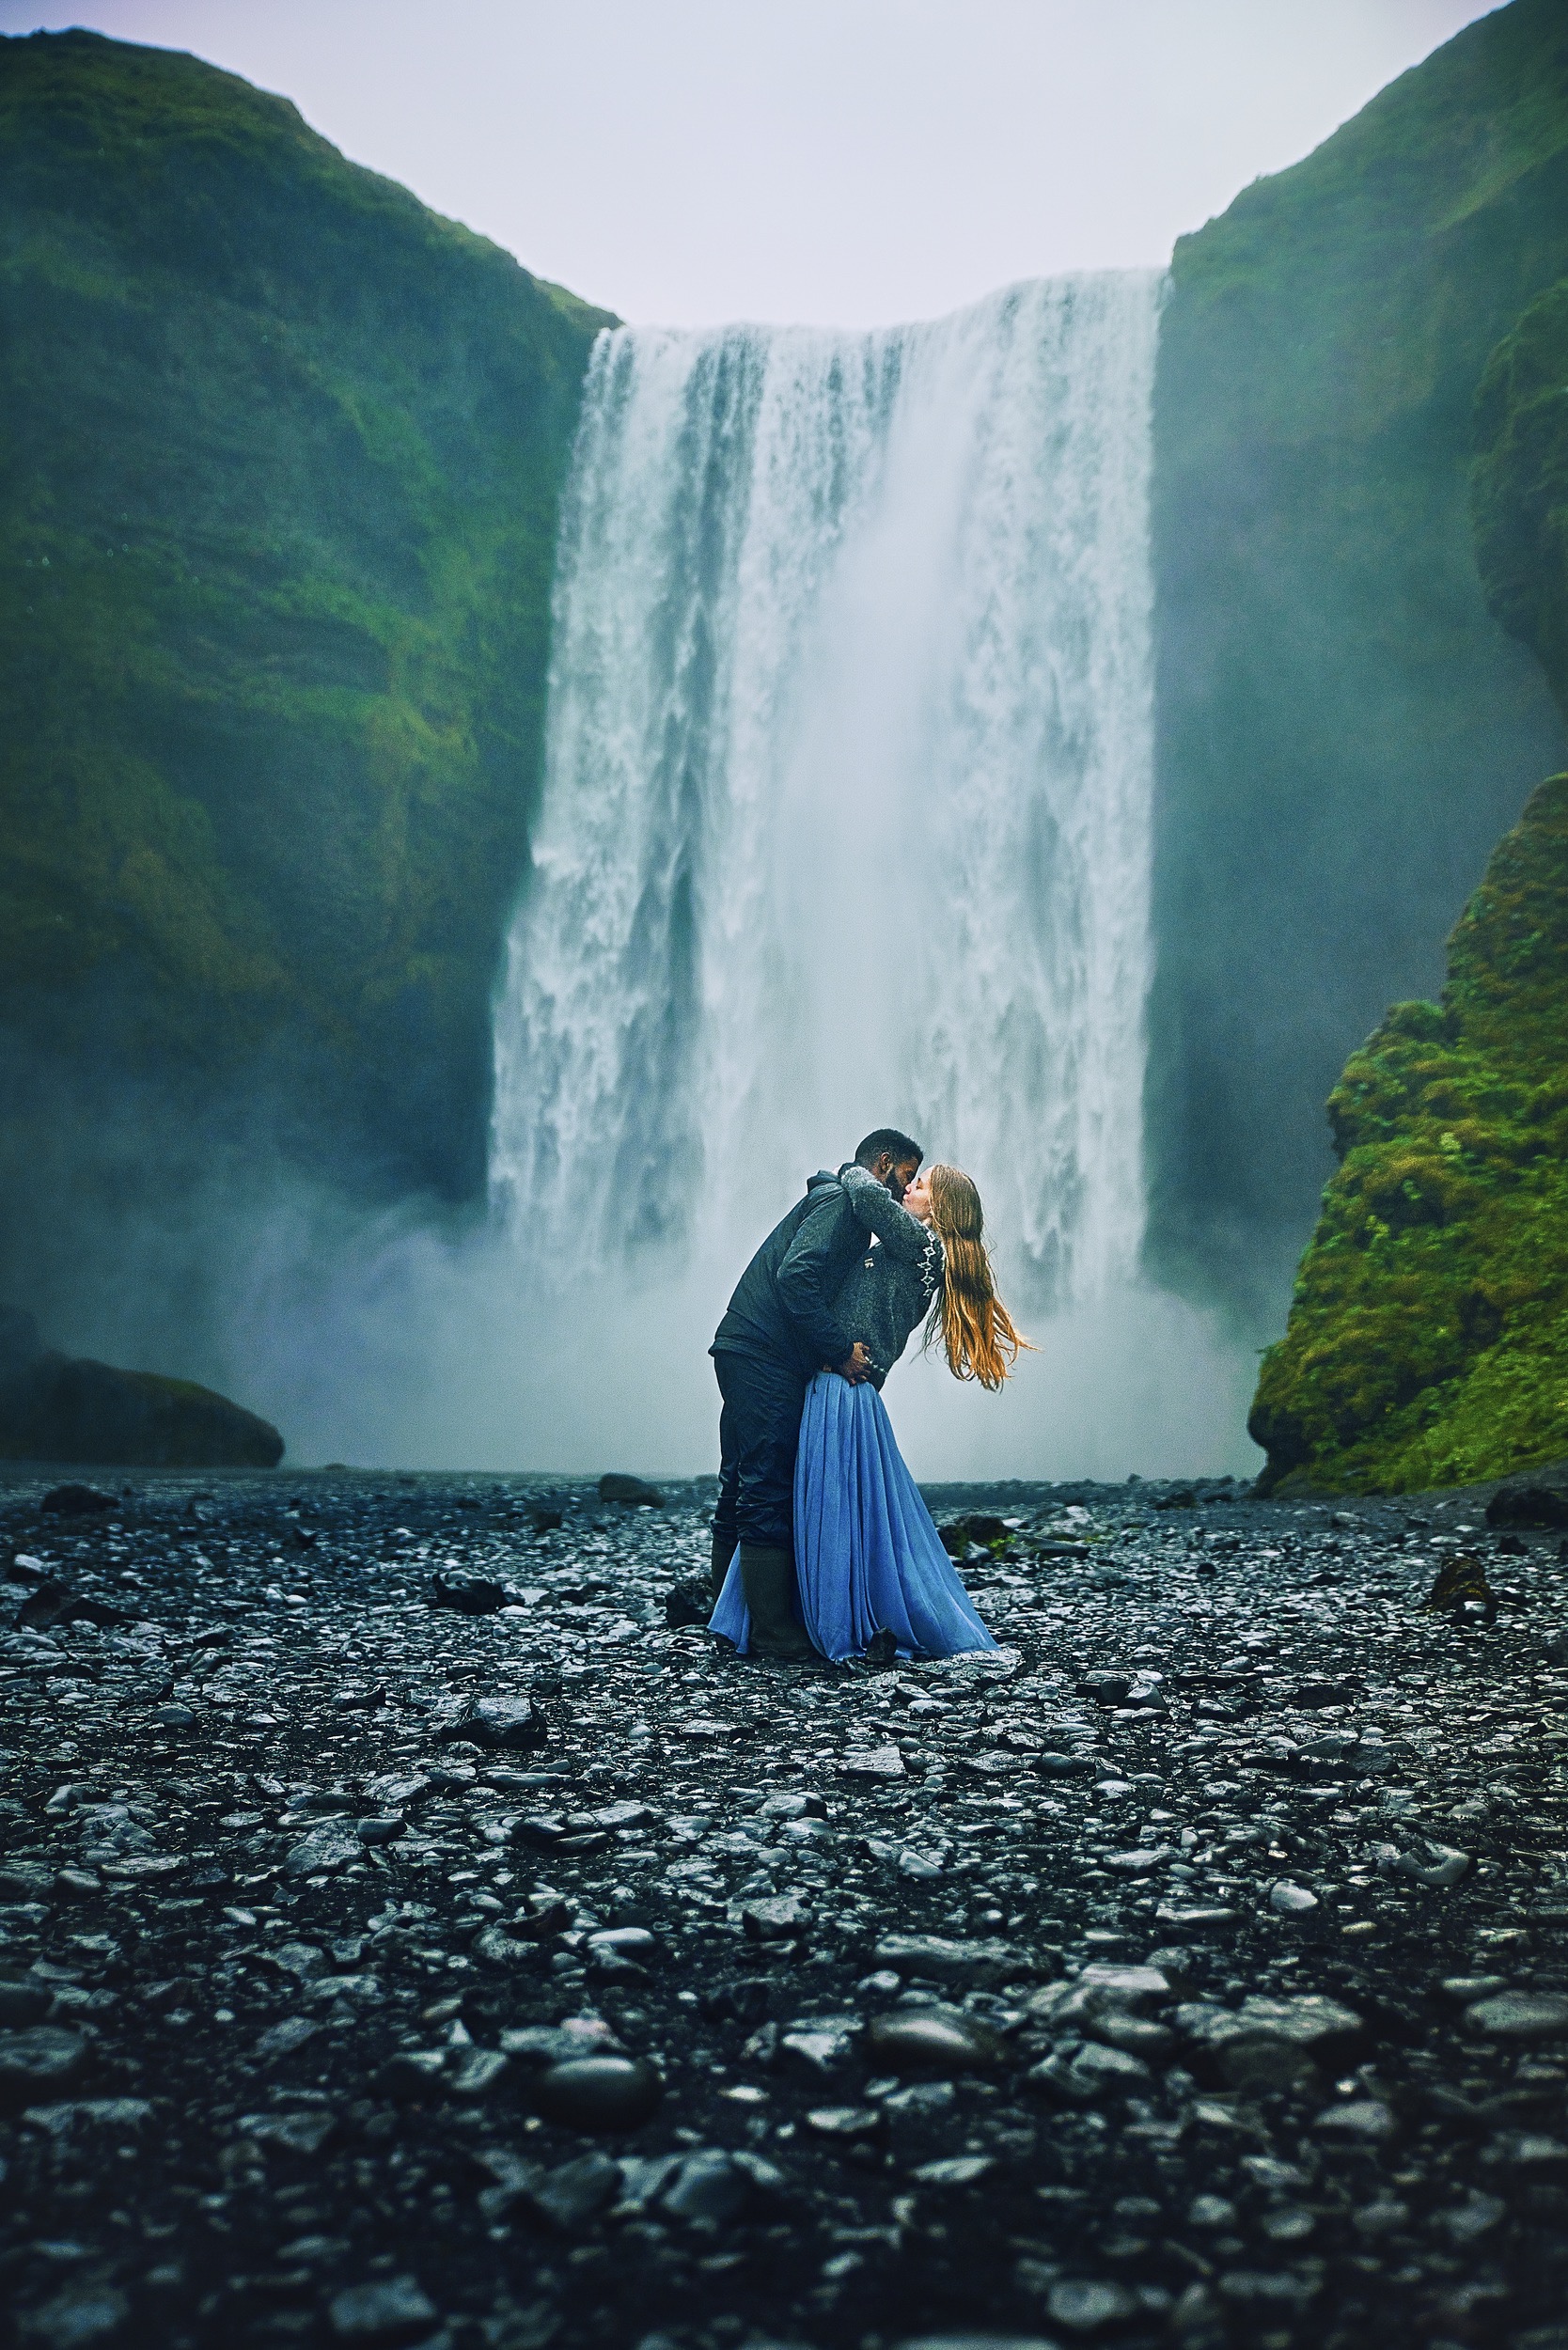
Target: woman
[869, 1562]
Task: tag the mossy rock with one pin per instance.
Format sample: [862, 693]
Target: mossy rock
[1428, 1339]
[55, 1408]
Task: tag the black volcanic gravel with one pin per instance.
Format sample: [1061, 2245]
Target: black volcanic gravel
[1215, 1934]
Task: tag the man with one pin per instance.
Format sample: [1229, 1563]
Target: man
[779, 1331]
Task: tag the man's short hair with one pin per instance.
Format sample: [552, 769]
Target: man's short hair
[886, 1142]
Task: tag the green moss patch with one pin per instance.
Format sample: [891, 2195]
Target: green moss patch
[1428, 1339]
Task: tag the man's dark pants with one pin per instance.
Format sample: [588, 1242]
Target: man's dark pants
[759, 1438]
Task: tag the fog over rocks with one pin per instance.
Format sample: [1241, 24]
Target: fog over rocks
[1194, 1971]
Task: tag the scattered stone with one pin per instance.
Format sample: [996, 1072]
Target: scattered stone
[38, 2057]
[1364, 2121]
[1540, 1506]
[1096, 2071]
[687, 1604]
[383, 1829]
[711, 2188]
[845, 2121]
[1521, 2015]
[976, 2341]
[1270, 2044]
[468, 1595]
[1445, 1868]
[286, 2038]
[772, 1916]
[325, 1851]
[942, 1960]
[575, 2192]
[598, 2092]
[1468, 2221]
[631, 1492]
[499, 1725]
[76, 1501]
[623, 1948]
[1467, 1989]
[954, 2170]
[1195, 1917]
[50, 1603]
[819, 2044]
[76, 2317]
[1291, 1901]
[932, 2039]
[118, 2117]
[411, 2073]
[391, 2310]
[1086, 2308]
[362, 2039]
[872, 1763]
[300, 2132]
[978, 1532]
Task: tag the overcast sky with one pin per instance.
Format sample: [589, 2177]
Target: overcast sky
[848, 162]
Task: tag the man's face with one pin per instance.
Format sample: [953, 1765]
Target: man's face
[899, 1177]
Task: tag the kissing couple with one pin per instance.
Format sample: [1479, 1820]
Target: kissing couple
[821, 1543]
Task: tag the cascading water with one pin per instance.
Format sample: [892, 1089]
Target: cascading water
[845, 821]
[846, 810]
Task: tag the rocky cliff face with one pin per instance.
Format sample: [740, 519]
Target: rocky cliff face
[1344, 728]
[279, 479]
[1519, 484]
[1429, 1334]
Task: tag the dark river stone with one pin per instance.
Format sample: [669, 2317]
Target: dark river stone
[930, 2041]
[598, 2093]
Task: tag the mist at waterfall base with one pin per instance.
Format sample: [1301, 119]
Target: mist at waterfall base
[846, 820]
[390, 1346]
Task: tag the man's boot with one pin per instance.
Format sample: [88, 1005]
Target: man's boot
[768, 1578]
[718, 1564]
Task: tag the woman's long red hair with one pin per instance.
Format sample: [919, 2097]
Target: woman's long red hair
[975, 1327]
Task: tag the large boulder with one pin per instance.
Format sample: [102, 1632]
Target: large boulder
[56, 1408]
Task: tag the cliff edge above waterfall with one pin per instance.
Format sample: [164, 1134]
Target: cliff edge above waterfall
[1429, 1334]
[278, 515]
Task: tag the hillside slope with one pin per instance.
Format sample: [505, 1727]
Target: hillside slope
[280, 453]
[1343, 731]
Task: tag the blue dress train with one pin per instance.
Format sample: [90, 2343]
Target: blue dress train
[868, 1557]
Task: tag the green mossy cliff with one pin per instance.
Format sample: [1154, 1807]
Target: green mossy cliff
[1519, 484]
[280, 453]
[1344, 728]
[1428, 1341]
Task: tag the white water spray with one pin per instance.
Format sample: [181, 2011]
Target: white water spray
[846, 812]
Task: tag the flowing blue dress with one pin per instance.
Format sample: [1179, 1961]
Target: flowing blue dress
[868, 1557]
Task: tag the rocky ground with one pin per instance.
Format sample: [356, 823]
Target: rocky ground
[1192, 1973]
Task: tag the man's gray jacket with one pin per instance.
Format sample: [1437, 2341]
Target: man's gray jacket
[783, 1305]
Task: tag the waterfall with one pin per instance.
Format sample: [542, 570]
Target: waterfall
[846, 807]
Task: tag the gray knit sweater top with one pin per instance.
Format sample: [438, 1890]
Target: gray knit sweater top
[891, 1287]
